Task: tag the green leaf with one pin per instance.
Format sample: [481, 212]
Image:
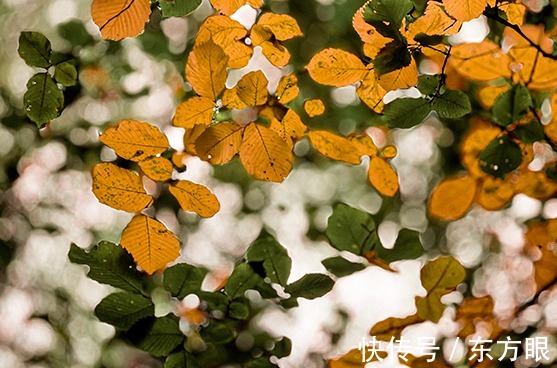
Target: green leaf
[215, 300]
[310, 286]
[392, 56]
[157, 336]
[35, 49]
[387, 13]
[261, 362]
[512, 105]
[282, 348]
[406, 112]
[181, 359]
[501, 156]
[109, 264]
[65, 74]
[274, 256]
[183, 279]
[340, 266]
[238, 310]
[217, 332]
[407, 246]
[178, 8]
[439, 277]
[244, 278]
[530, 133]
[452, 104]
[43, 100]
[123, 310]
[351, 229]
[429, 40]
[428, 84]
[75, 32]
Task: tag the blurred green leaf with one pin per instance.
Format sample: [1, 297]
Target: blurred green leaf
[157, 336]
[512, 105]
[178, 8]
[351, 229]
[238, 310]
[282, 348]
[35, 49]
[341, 267]
[65, 74]
[181, 359]
[217, 332]
[501, 156]
[310, 286]
[274, 256]
[531, 132]
[407, 246]
[44, 101]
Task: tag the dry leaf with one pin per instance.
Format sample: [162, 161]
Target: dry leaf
[195, 198]
[194, 111]
[219, 143]
[118, 19]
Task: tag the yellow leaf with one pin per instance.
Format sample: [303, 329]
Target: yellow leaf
[157, 168]
[335, 67]
[488, 94]
[452, 198]
[389, 152]
[231, 100]
[515, 12]
[535, 185]
[482, 61]
[276, 53]
[119, 188]
[219, 143]
[227, 7]
[195, 198]
[434, 22]
[494, 194]
[290, 128]
[393, 327]
[206, 70]
[264, 154]
[371, 92]
[383, 177]
[373, 40]
[364, 144]
[471, 311]
[118, 19]
[287, 89]
[352, 359]
[150, 243]
[314, 107]
[191, 136]
[252, 88]
[439, 277]
[282, 26]
[465, 10]
[540, 246]
[222, 30]
[239, 55]
[135, 140]
[178, 159]
[544, 76]
[334, 147]
[400, 78]
[258, 35]
[194, 111]
[475, 141]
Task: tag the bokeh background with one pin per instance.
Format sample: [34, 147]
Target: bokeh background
[46, 201]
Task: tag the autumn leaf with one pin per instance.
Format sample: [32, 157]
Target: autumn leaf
[287, 89]
[135, 140]
[471, 311]
[364, 144]
[264, 154]
[314, 107]
[393, 327]
[252, 88]
[282, 26]
[515, 12]
[371, 92]
[493, 193]
[157, 168]
[404, 77]
[150, 243]
[383, 177]
[334, 147]
[119, 188]
[276, 53]
[195, 198]
[228, 7]
[222, 30]
[190, 137]
[352, 359]
[483, 61]
[452, 198]
[219, 143]
[439, 277]
[540, 246]
[465, 10]
[194, 111]
[434, 22]
[290, 128]
[335, 67]
[374, 41]
[118, 19]
[231, 100]
[206, 70]
[239, 55]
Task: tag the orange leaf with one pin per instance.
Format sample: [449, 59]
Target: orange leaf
[239, 55]
[194, 111]
[334, 147]
[335, 67]
[541, 245]
[475, 141]
[227, 7]
[535, 185]
[222, 30]
[135, 140]
[488, 94]
[150, 243]
[383, 177]
[401, 78]
[191, 137]
[258, 35]
[482, 61]
[290, 128]
[314, 107]
[434, 22]
[206, 70]
[393, 327]
[352, 359]
[282, 26]
[118, 19]
[119, 188]
[231, 100]
[252, 88]
[373, 40]
[157, 168]
[371, 92]
[389, 152]
[465, 10]
[287, 89]
[195, 198]
[264, 154]
[452, 198]
[219, 143]
[494, 193]
[471, 311]
[364, 144]
[515, 12]
[276, 53]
